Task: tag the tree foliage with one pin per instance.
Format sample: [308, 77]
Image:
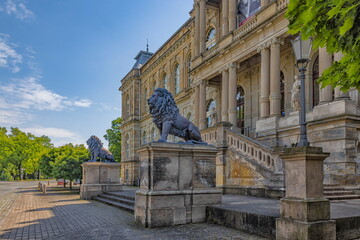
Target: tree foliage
[334, 24]
[113, 135]
[64, 162]
[20, 153]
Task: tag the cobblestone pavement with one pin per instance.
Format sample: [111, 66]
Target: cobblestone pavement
[62, 215]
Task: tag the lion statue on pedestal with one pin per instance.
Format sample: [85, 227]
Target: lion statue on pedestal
[168, 120]
[97, 150]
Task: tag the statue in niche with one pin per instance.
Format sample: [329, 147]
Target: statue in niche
[98, 151]
[295, 94]
[168, 120]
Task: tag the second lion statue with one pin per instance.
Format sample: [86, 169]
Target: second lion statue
[168, 120]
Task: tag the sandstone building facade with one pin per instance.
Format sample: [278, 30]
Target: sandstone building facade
[232, 72]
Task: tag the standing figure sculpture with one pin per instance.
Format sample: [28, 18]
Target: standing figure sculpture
[97, 150]
[295, 94]
[168, 120]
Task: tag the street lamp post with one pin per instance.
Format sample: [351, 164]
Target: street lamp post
[302, 50]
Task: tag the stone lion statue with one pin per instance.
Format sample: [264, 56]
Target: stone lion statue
[97, 150]
[295, 94]
[168, 120]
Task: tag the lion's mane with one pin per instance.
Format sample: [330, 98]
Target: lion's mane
[165, 109]
[94, 143]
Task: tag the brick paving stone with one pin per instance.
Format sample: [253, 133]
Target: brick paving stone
[61, 214]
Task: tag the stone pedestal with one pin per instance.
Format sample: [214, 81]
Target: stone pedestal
[177, 182]
[99, 177]
[305, 213]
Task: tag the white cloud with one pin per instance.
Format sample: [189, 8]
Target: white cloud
[58, 136]
[18, 9]
[9, 58]
[14, 117]
[28, 93]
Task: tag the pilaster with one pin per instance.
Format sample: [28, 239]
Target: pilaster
[265, 80]
[225, 17]
[232, 94]
[224, 96]
[325, 61]
[202, 27]
[202, 102]
[275, 95]
[232, 15]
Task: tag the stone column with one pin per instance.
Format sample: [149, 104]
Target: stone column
[232, 94]
[232, 15]
[224, 95]
[197, 105]
[197, 29]
[225, 15]
[305, 213]
[202, 102]
[338, 94]
[202, 26]
[264, 3]
[325, 61]
[265, 81]
[275, 96]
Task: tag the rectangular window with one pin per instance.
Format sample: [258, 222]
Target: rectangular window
[245, 9]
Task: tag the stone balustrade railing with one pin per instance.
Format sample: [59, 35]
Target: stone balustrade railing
[254, 150]
[281, 4]
[249, 25]
[211, 52]
[209, 135]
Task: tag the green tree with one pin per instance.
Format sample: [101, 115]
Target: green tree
[21, 153]
[113, 135]
[334, 24]
[65, 161]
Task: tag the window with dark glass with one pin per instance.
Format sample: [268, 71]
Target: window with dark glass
[315, 85]
[245, 9]
[282, 92]
[240, 107]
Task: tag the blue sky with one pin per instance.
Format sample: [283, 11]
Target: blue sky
[61, 61]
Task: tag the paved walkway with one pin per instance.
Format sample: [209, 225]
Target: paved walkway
[62, 215]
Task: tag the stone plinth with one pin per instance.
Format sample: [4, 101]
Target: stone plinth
[99, 177]
[305, 213]
[177, 182]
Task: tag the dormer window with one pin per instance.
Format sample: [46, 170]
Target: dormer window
[210, 38]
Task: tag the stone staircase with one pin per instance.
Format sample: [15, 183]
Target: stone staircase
[124, 200]
[337, 192]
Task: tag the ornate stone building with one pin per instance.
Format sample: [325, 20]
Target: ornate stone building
[231, 70]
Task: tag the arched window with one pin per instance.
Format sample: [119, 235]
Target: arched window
[240, 107]
[177, 78]
[153, 135]
[282, 92]
[211, 114]
[165, 81]
[127, 146]
[315, 85]
[210, 38]
[188, 70]
[143, 139]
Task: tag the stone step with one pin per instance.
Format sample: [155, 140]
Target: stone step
[130, 195]
[343, 197]
[338, 188]
[115, 204]
[118, 199]
[255, 223]
[338, 192]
